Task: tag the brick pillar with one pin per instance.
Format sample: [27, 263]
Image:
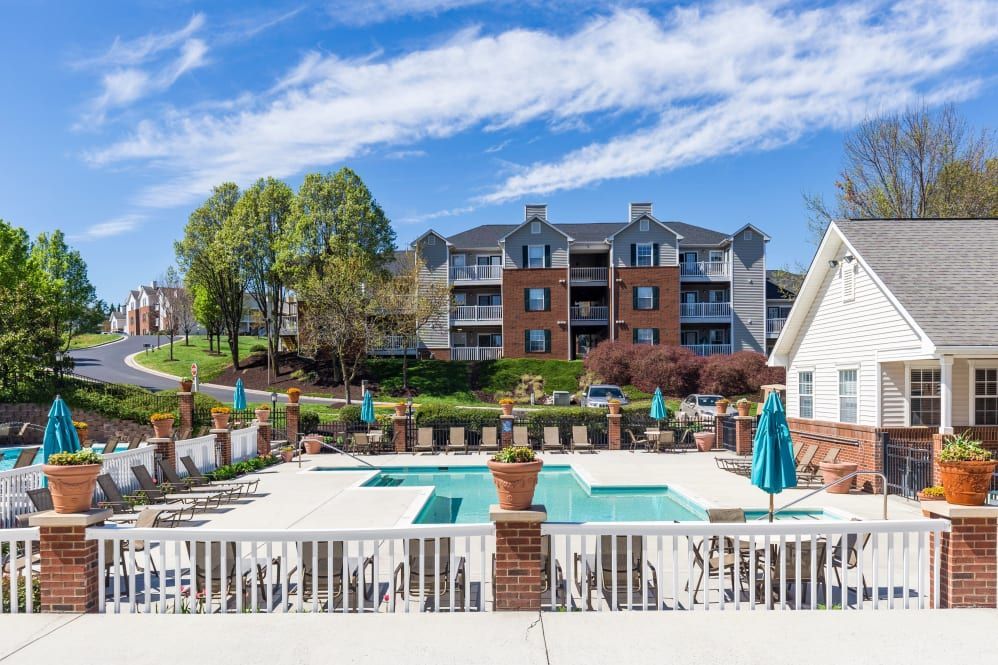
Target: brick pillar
[399, 424]
[186, 407]
[613, 430]
[292, 412]
[518, 558]
[165, 449]
[743, 435]
[69, 575]
[506, 431]
[264, 433]
[223, 446]
[967, 565]
[937, 447]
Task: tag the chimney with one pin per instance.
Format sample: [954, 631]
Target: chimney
[638, 209]
[535, 210]
[154, 284]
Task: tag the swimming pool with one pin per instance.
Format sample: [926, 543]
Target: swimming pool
[462, 495]
[9, 455]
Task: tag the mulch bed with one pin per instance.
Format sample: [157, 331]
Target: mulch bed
[254, 376]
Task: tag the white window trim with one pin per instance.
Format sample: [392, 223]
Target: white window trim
[848, 293]
[651, 298]
[530, 340]
[651, 338]
[921, 364]
[719, 253]
[838, 390]
[805, 370]
[972, 389]
[530, 298]
[431, 239]
[535, 228]
[747, 235]
[530, 248]
[643, 225]
[651, 255]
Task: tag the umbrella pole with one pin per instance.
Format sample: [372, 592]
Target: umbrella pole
[770, 507]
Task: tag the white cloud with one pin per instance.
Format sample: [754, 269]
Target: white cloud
[351, 12]
[704, 82]
[498, 146]
[112, 227]
[405, 154]
[127, 53]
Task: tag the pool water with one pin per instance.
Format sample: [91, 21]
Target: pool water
[8, 456]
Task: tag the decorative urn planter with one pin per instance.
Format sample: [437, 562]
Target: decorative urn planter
[220, 420]
[262, 415]
[515, 482]
[294, 395]
[614, 408]
[72, 486]
[313, 445]
[400, 410]
[288, 455]
[705, 441]
[507, 408]
[744, 407]
[721, 406]
[967, 483]
[81, 432]
[186, 385]
[163, 428]
[925, 495]
[832, 471]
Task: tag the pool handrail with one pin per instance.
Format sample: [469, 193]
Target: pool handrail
[332, 447]
[844, 478]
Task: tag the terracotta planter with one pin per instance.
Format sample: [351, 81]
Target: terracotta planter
[288, 455]
[614, 408]
[294, 397]
[221, 420]
[313, 445]
[186, 385]
[72, 486]
[744, 409]
[967, 483]
[163, 428]
[81, 432]
[924, 497]
[507, 409]
[705, 441]
[721, 407]
[262, 415]
[400, 410]
[515, 483]
[832, 471]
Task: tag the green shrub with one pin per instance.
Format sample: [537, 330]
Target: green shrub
[258, 348]
[505, 374]
[22, 604]
[308, 421]
[78, 458]
[236, 469]
[514, 455]
[962, 448]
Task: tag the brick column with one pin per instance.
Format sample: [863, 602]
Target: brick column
[967, 565]
[506, 431]
[613, 432]
[69, 575]
[165, 449]
[937, 447]
[292, 412]
[398, 433]
[223, 445]
[743, 435]
[186, 407]
[517, 583]
[264, 433]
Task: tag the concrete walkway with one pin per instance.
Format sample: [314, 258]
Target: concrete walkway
[774, 638]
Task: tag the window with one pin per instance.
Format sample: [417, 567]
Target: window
[485, 300]
[431, 239]
[716, 256]
[848, 283]
[644, 255]
[535, 228]
[490, 340]
[460, 299]
[689, 297]
[718, 296]
[717, 336]
[644, 297]
[491, 260]
[688, 257]
[535, 256]
[689, 337]
[848, 402]
[645, 335]
[457, 260]
[747, 235]
[643, 225]
[537, 300]
[459, 339]
[538, 341]
[986, 396]
[924, 397]
[805, 394]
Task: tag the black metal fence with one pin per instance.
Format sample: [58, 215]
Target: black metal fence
[907, 465]
[244, 418]
[727, 437]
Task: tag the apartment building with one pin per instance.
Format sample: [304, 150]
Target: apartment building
[546, 289]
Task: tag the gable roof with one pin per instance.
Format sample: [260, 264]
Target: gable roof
[782, 284]
[637, 219]
[560, 228]
[488, 235]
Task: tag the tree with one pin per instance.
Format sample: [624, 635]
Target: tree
[183, 313]
[66, 286]
[170, 295]
[208, 314]
[209, 260]
[913, 164]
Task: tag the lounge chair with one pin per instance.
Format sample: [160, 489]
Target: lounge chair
[424, 440]
[521, 437]
[490, 440]
[155, 494]
[433, 578]
[134, 443]
[805, 466]
[552, 440]
[183, 434]
[315, 565]
[625, 576]
[201, 480]
[457, 441]
[580, 439]
[26, 457]
[361, 444]
[797, 449]
[173, 481]
[126, 506]
[199, 562]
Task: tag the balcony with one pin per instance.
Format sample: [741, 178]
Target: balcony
[477, 314]
[774, 327]
[594, 313]
[705, 310]
[393, 345]
[709, 349]
[489, 273]
[289, 324]
[476, 353]
[703, 270]
[593, 275]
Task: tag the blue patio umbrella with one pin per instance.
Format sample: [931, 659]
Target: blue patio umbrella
[367, 409]
[239, 396]
[773, 467]
[657, 405]
[60, 435]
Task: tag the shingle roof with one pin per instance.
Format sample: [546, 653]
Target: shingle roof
[942, 272]
[488, 235]
[697, 235]
[782, 284]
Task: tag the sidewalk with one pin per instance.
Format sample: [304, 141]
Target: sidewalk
[506, 638]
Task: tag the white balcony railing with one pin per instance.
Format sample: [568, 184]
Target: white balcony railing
[704, 310]
[709, 349]
[589, 274]
[703, 269]
[476, 273]
[590, 313]
[477, 313]
[289, 324]
[393, 345]
[476, 353]
[774, 327]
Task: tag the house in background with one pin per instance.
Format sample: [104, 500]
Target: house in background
[117, 321]
[781, 290]
[142, 310]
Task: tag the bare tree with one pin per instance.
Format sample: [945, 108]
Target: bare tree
[170, 303]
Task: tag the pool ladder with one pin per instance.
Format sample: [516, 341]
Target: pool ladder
[843, 479]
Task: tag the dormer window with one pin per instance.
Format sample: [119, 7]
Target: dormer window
[643, 225]
[535, 228]
[747, 235]
[431, 239]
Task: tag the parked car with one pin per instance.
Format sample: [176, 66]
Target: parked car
[701, 406]
[598, 395]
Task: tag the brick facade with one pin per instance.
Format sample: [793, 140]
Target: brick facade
[439, 354]
[516, 319]
[857, 444]
[613, 431]
[743, 435]
[292, 416]
[517, 584]
[665, 318]
[68, 561]
[967, 560]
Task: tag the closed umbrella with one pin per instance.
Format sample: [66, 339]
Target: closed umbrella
[367, 409]
[657, 405]
[773, 467]
[239, 396]
[60, 435]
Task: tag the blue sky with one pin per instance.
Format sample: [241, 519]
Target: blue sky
[117, 118]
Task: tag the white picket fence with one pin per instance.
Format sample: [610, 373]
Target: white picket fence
[243, 443]
[18, 566]
[14, 486]
[200, 449]
[119, 467]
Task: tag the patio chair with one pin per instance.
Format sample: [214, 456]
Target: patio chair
[580, 439]
[124, 505]
[710, 558]
[559, 573]
[148, 489]
[635, 441]
[316, 562]
[790, 567]
[666, 440]
[134, 443]
[172, 480]
[26, 457]
[521, 438]
[361, 444]
[552, 440]
[456, 441]
[805, 468]
[624, 576]
[424, 441]
[490, 440]
[797, 449]
[433, 577]
[194, 473]
[41, 499]
[201, 573]
[853, 549]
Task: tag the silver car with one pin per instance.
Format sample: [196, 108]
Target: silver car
[701, 406]
[598, 396]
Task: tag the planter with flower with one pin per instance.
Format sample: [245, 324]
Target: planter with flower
[287, 453]
[72, 478]
[514, 471]
[162, 424]
[966, 468]
[934, 493]
[507, 405]
[400, 408]
[744, 407]
[262, 414]
[721, 406]
[81, 431]
[614, 406]
[294, 394]
[220, 416]
[186, 384]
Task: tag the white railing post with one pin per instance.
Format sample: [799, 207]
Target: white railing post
[14, 486]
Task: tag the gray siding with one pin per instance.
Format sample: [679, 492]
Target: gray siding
[633, 234]
[513, 255]
[748, 293]
[435, 269]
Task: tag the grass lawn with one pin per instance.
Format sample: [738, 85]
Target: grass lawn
[209, 366]
[87, 340]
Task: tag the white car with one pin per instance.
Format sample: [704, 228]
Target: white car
[701, 406]
[599, 395]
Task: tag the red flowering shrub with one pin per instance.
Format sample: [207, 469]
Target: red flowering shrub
[611, 361]
[740, 373]
[674, 369]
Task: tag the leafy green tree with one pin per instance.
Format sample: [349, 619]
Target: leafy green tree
[66, 285]
[208, 314]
